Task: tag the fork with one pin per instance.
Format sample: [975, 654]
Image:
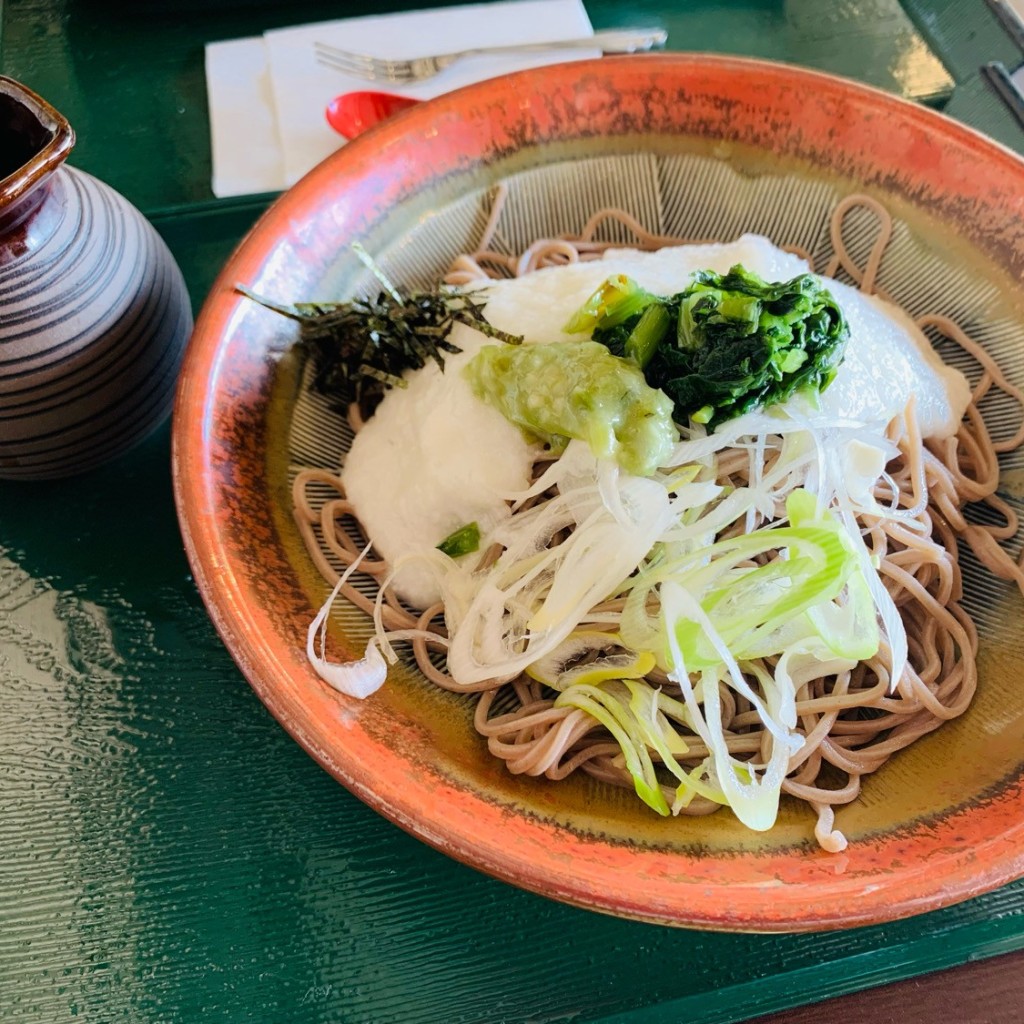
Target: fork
[416, 69]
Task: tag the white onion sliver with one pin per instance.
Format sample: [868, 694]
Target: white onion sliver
[354, 678]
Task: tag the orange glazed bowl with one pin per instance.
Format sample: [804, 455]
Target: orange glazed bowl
[699, 146]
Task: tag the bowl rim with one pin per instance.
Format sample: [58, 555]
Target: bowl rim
[976, 849]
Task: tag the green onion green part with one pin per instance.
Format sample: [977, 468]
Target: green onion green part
[464, 541]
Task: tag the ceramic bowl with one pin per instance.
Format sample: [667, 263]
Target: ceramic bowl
[702, 146]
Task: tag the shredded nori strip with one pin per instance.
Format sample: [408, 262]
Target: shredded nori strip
[362, 347]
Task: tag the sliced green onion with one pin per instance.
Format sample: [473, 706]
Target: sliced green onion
[615, 716]
[464, 541]
[589, 657]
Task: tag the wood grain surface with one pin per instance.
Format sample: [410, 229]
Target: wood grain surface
[984, 992]
[168, 854]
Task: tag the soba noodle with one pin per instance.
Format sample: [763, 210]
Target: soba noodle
[851, 722]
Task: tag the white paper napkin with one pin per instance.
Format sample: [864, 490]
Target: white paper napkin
[244, 143]
[267, 95]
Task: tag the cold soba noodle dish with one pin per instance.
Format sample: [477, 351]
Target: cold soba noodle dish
[684, 517]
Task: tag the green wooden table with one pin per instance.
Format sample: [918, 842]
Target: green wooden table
[167, 853]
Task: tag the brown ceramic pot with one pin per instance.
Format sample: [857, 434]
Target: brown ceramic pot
[94, 314]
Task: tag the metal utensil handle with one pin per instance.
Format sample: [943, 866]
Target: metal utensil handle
[624, 40]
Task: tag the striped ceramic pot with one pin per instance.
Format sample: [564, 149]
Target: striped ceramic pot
[94, 315]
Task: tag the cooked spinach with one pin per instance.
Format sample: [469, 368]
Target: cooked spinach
[728, 343]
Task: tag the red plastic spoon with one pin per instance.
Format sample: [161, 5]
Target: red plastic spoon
[353, 113]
